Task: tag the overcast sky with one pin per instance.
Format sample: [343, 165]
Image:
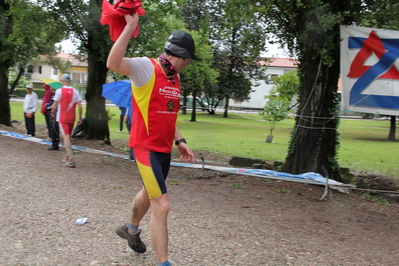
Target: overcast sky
[273, 50]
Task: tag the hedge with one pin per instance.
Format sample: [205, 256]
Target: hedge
[20, 92]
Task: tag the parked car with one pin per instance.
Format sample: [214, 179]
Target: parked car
[204, 106]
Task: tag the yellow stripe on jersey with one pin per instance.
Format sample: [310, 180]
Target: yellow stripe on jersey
[142, 97]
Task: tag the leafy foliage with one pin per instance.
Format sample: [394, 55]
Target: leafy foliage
[196, 77]
[27, 31]
[286, 86]
[310, 30]
[237, 39]
[275, 110]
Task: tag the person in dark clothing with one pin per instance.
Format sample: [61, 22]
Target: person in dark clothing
[54, 129]
[122, 118]
[46, 112]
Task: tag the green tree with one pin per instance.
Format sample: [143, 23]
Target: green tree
[23, 38]
[197, 19]
[286, 86]
[198, 74]
[83, 21]
[275, 110]
[237, 39]
[94, 44]
[310, 29]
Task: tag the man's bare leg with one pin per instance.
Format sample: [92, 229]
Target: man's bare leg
[68, 146]
[140, 206]
[158, 226]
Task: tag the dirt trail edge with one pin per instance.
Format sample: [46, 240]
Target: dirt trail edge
[219, 219]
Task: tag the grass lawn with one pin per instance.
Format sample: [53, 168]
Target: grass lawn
[363, 143]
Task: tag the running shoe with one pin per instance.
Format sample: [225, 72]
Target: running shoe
[133, 241]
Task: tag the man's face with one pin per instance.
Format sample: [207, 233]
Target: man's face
[28, 90]
[181, 63]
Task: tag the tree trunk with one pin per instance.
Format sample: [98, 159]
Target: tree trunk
[98, 46]
[193, 112]
[314, 141]
[6, 61]
[96, 114]
[184, 107]
[226, 107]
[392, 129]
[5, 111]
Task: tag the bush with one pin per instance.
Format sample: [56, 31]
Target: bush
[21, 92]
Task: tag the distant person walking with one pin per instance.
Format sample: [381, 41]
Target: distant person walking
[64, 108]
[30, 108]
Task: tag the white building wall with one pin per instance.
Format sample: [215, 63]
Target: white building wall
[257, 97]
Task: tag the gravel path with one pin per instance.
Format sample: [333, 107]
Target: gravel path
[220, 219]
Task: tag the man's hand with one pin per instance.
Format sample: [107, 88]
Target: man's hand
[186, 154]
[132, 20]
[79, 122]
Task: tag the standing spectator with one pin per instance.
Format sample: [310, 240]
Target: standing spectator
[65, 101]
[54, 129]
[48, 93]
[121, 118]
[128, 119]
[155, 82]
[30, 108]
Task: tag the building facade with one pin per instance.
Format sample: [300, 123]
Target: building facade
[77, 70]
[276, 67]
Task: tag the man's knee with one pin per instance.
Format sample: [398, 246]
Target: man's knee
[160, 204]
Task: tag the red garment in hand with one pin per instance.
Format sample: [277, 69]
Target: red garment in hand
[114, 16]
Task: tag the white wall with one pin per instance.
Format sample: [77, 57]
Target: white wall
[257, 99]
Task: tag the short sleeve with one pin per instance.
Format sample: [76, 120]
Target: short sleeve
[141, 70]
[57, 95]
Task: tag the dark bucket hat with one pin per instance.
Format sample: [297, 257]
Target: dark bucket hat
[181, 44]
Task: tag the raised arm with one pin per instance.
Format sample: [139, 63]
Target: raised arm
[115, 61]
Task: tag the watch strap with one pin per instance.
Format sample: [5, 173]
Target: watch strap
[180, 140]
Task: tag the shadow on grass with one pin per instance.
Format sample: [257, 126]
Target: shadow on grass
[375, 139]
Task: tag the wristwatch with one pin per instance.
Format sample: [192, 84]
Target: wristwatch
[180, 140]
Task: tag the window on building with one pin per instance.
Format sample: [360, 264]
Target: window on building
[30, 69]
[39, 69]
[55, 71]
[272, 77]
[76, 77]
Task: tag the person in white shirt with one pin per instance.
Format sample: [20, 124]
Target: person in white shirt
[63, 109]
[30, 108]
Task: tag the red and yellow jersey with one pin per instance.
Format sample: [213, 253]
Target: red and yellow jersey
[155, 109]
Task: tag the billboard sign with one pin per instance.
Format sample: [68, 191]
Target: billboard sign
[370, 70]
